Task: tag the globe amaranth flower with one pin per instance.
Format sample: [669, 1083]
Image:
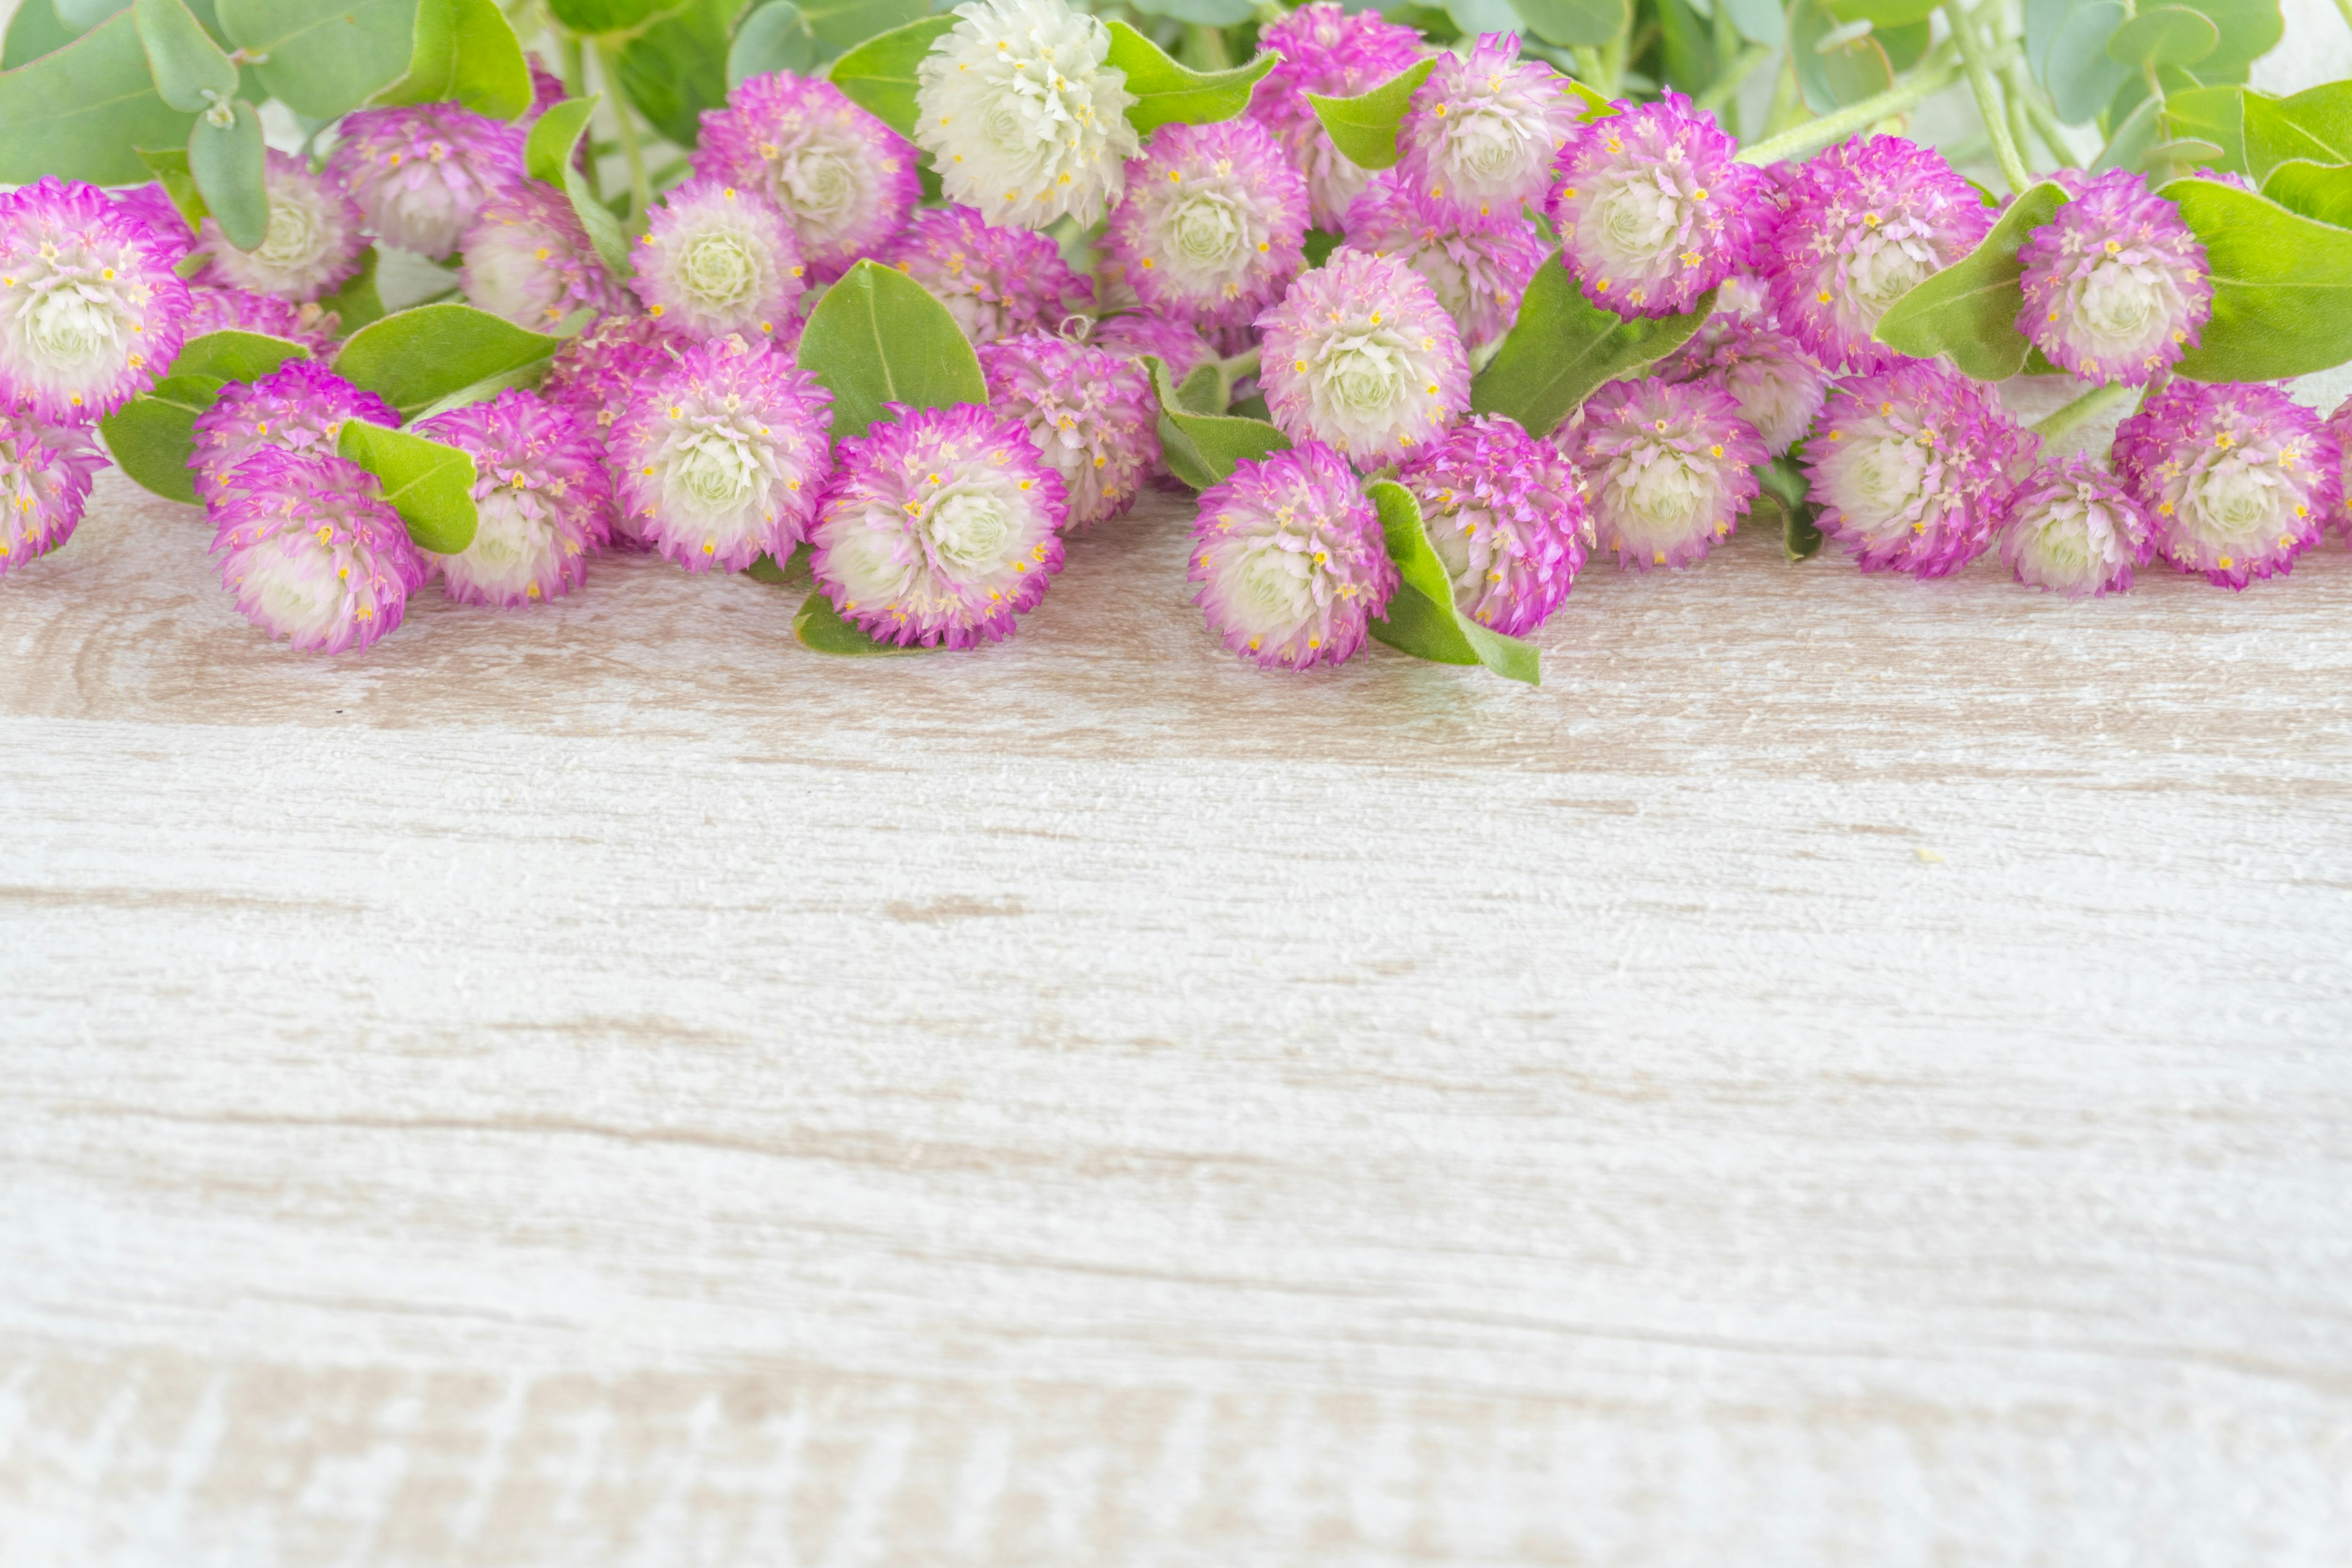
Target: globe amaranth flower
[216, 308]
[721, 457]
[153, 206]
[845, 180]
[1478, 266]
[941, 527]
[89, 308]
[1021, 115]
[599, 372]
[45, 473]
[541, 493]
[1654, 208]
[1669, 468]
[1334, 53]
[1506, 512]
[2340, 426]
[1131, 334]
[1291, 560]
[1360, 354]
[1481, 134]
[2073, 529]
[299, 407]
[1089, 413]
[311, 246]
[2115, 286]
[529, 261]
[1778, 386]
[312, 553]
[1860, 225]
[994, 281]
[422, 173]
[1211, 227]
[2239, 480]
[714, 261]
[1913, 467]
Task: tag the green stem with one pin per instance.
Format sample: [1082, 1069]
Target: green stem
[1935, 73]
[1989, 101]
[2038, 113]
[1726, 88]
[641, 190]
[2086, 408]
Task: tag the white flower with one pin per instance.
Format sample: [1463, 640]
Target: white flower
[1022, 117]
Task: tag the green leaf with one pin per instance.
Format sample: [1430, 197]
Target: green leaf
[1205, 12]
[765, 568]
[1364, 128]
[2080, 73]
[185, 62]
[547, 155]
[1201, 449]
[356, 303]
[2320, 191]
[2248, 30]
[845, 24]
[466, 52]
[83, 112]
[2316, 126]
[428, 483]
[877, 337]
[1783, 499]
[1204, 391]
[324, 59]
[2282, 286]
[1565, 346]
[1421, 617]
[2042, 20]
[1319, 246]
[878, 75]
[1970, 308]
[775, 37]
[227, 163]
[1166, 91]
[1758, 21]
[819, 628]
[1833, 77]
[1883, 13]
[607, 15]
[170, 167]
[2133, 136]
[2164, 36]
[152, 437]
[2215, 114]
[229, 356]
[412, 358]
[677, 68]
[1571, 22]
[34, 31]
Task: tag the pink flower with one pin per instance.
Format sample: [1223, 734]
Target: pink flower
[542, 496]
[299, 407]
[1210, 227]
[45, 469]
[529, 261]
[1669, 468]
[90, 311]
[2239, 480]
[1778, 386]
[151, 206]
[1360, 354]
[1090, 413]
[422, 174]
[312, 553]
[1481, 134]
[1336, 53]
[2339, 427]
[1291, 560]
[596, 374]
[714, 261]
[1505, 513]
[1654, 208]
[1131, 334]
[311, 246]
[2071, 530]
[2115, 286]
[996, 282]
[213, 308]
[845, 180]
[1478, 268]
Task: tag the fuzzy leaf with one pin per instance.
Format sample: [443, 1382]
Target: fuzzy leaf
[429, 484]
[1970, 308]
[2282, 286]
[1364, 128]
[1422, 619]
[1564, 346]
[775, 37]
[34, 31]
[1165, 91]
[2164, 36]
[2320, 191]
[2080, 73]
[322, 59]
[2214, 114]
[878, 75]
[415, 357]
[83, 112]
[465, 52]
[356, 304]
[2316, 125]
[877, 337]
[1201, 449]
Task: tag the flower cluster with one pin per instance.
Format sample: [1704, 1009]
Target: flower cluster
[528, 260]
[1654, 209]
[1332, 53]
[1290, 559]
[311, 552]
[1482, 134]
[1089, 413]
[2115, 286]
[311, 245]
[1669, 468]
[1477, 266]
[1362, 356]
[714, 262]
[299, 407]
[91, 310]
[2238, 480]
[1912, 468]
[1211, 228]
[1506, 514]
[994, 281]
[2073, 529]
[845, 180]
[543, 500]
[422, 174]
[45, 469]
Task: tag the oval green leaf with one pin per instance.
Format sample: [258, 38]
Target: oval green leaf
[2248, 29]
[1883, 13]
[775, 37]
[83, 112]
[1969, 310]
[2316, 126]
[607, 15]
[1832, 76]
[1422, 618]
[428, 483]
[677, 68]
[415, 357]
[322, 59]
[1757, 21]
[34, 31]
[1203, 13]
[1573, 21]
[878, 75]
[356, 303]
[465, 52]
[877, 337]
[845, 24]
[820, 628]
[185, 62]
[2164, 36]
[2215, 114]
[2282, 286]
[152, 437]
[2319, 191]
[547, 155]
[1165, 91]
[1564, 347]
[2080, 73]
[1364, 128]
[1201, 449]
[225, 163]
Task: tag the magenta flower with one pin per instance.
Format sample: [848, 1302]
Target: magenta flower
[1778, 386]
[941, 527]
[996, 282]
[1669, 468]
[2115, 286]
[2339, 427]
[1131, 334]
[1655, 209]
[714, 261]
[1211, 225]
[1860, 225]
[1506, 512]
[45, 469]
[2073, 529]
[1090, 413]
[546, 90]
[151, 206]
[312, 551]
[1478, 268]
[1360, 354]
[1481, 134]
[596, 374]
[723, 455]
[2240, 479]
[223, 309]
[1336, 53]
[1913, 467]
[311, 246]
[845, 180]
[542, 495]
[90, 311]
[1291, 560]
[422, 174]
[528, 260]
[299, 407]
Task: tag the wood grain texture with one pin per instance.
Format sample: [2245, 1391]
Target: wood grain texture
[606, 1086]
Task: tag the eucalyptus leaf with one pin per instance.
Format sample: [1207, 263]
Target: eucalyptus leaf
[191, 71]
[1165, 91]
[548, 156]
[606, 16]
[845, 24]
[775, 37]
[1832, 76]
[415, 357]
[465, 52]
[356, 303]
[34, 31]
[1564, 347]
[820, 628]
[1203, 13]
[2133, 135]
[1201, 449]
[323, 60]
[430, 484]
[878, 337]
[2320, 191]
[1883, 13]
[677, 68]
[227, 163]
[2080, 73]
[2282, 286]
[1422, 618]
[2215, 114]
[152, 435]
[1364, 128]
[2248, 29]
[1475, 17]
[1969, 310]
[83, 112]
[170, 167]
[2164, 36]
[1572, 21]
[2042, 20]
[878, 75]
[2316, 125]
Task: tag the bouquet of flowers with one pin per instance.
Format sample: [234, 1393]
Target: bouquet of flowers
[1427, 306]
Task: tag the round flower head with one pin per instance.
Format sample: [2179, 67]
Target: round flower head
[89, 308]
[1131, 334]
[312, 244]
[1778, 386]
[994, 281]
[45, 474]
[2239, 480]
[2339, 427]
[845, 180]
[1334, 53]
[1212, 222]
[422, 174]
[2073, 531]
[1655, 209]
[722, 456]
[542, 495]
[2115, 286]
[942, 526]
[1669, 468]
[1912, 468]
[1360, 354]
[151, 206]
[597, 373]
[1861, 224]
[714, 261]
[1089, 413]
[1505, 513]
[1481, 134]
[220, 310]
[528, 260]
[312, 552]
[1478, 268]
[1291, 560]
[1019, 114]
[299, 407]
